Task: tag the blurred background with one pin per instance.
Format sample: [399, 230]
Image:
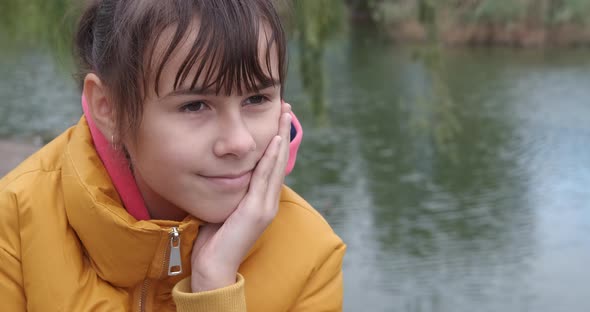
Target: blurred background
[446, 141]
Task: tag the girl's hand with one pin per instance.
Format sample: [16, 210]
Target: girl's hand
[220, 248]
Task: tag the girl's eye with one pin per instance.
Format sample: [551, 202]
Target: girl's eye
[193, 107]
[256, 99]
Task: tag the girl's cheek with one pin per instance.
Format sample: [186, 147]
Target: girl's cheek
[266, 136]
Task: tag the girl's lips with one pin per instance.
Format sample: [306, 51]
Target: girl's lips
[230, 182]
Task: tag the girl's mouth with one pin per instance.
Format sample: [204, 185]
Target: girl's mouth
[230, 182]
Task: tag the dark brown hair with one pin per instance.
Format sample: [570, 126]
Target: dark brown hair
[116, 39]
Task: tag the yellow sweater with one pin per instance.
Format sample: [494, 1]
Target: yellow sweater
[68, 244]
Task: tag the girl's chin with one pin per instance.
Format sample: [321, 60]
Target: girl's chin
[217, 211]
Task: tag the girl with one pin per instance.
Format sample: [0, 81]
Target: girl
[168, 195]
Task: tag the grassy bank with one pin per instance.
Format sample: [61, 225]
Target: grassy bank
[481, 22]
[454, 22]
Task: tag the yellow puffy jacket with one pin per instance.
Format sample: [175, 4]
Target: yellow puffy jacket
[68, 244]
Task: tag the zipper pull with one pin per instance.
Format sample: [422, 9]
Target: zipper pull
[174, 262]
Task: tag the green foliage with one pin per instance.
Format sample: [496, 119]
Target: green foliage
[33, 21]
[569, 11]
[427, 11]
[42, 24]
[391, 12]
[502, 11]
[506, 11]
[318, 20]
[436, 107]
[361, 5]
[388, 12]
[316, 23]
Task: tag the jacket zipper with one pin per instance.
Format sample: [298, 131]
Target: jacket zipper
[143, 295]
[174, 260]
[174, 264]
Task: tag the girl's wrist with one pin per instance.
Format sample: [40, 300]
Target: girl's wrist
[205, 282]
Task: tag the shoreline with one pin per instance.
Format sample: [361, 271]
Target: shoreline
[515, 34]
[12, 153]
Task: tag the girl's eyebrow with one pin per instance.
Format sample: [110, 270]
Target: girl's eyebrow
[198, 90]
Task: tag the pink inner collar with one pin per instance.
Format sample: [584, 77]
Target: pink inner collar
[117, 167]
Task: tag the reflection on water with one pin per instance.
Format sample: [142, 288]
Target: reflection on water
[497, 220]
[315, 23]
[493, 217]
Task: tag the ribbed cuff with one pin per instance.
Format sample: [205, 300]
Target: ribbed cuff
[230, 298]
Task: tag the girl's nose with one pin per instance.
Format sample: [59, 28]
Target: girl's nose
[234, 138]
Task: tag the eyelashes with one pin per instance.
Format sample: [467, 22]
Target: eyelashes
[198, 106]
[257, 99]
[193, 107]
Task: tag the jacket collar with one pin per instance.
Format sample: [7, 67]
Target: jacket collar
[122, 250]
[117, 167]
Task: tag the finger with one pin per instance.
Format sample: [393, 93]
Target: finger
[278, 172]
[285, 108]
[244, 226]
[257, 195]
[252, 205]
[264, 168]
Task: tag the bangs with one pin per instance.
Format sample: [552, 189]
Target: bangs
[232, 51]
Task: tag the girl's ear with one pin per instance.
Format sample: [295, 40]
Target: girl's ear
[100, 108]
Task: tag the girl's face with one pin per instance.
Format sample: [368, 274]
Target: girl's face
[195, 151]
